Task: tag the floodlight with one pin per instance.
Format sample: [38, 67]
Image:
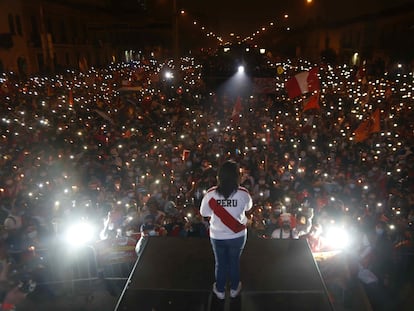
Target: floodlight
[337, 237]
[80, 233]
[169, 75]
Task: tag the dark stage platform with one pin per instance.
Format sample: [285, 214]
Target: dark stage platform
[178, 273]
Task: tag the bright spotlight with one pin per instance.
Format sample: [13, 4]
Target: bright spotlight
[240, 69]
[80, 233]
[169, 75]
[337, 238]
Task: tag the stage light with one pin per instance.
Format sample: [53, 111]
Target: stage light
[337, 238]
[240, 69]
[80, 233]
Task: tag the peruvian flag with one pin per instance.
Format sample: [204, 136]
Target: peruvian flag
[70, 99]
[303, 82]
[307, 127]
[237, 108]
[185, 155]
[312, 103]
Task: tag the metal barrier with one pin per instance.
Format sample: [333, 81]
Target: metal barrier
[70, 272]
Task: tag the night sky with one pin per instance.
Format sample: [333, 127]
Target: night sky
[245, 16]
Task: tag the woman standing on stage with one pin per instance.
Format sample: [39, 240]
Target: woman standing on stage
[226, 205]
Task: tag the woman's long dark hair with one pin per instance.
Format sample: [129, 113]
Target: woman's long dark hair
[228, 179]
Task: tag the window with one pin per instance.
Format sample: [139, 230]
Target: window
[74, 29]
[64, 36]
[35, 35]
[35, 29]
[327, 42]
[49, 26]
[40, 62]
[19, 26]
[11, 25]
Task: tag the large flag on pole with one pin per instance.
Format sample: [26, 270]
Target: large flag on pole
[303, 82]
[70, 97]
[376, 126]
[307, 127]
[237, 108]
[312, 103]
[368, 126]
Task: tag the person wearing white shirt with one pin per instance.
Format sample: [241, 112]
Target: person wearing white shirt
[226, 205]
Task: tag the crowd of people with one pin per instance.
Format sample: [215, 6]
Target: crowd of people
[133, 150]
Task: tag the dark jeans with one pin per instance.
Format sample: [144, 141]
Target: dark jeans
[227, 256]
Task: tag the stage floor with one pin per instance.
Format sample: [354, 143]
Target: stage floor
[178, 273]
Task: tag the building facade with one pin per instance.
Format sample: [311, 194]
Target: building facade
[40, 36]
[387, 35]
[45, 36]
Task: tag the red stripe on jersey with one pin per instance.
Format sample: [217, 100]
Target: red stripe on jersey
[243, 189]
[225, 216]
[211, 189]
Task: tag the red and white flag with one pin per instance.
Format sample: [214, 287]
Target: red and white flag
[312, 103]
[307, 127]
[185, 155]
[70, 97]
[303, 82]
[237, 108]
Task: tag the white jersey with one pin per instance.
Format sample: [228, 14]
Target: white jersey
[236, 205]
